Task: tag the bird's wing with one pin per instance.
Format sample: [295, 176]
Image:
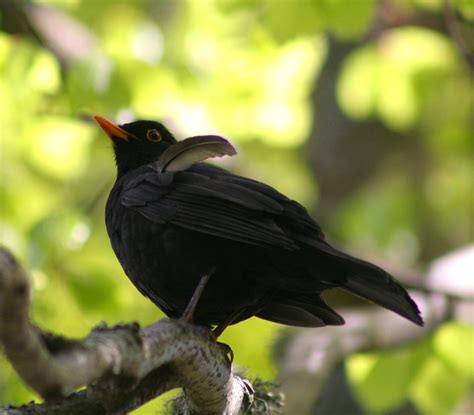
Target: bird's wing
[192, 150]
[212, 201]
[294, 218]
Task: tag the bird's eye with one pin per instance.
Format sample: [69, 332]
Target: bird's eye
[153, 135]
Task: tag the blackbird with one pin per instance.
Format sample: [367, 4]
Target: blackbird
[217, 248]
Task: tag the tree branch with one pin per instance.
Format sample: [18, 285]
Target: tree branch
[128, 365]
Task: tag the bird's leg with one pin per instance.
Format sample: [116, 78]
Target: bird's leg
[189, 311]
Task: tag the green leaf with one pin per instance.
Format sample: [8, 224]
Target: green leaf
[466, 7]
[12, 391]
[44, 74]
[382, 381]
[6, 44]
[357, 85]
[100, 84]
[57, 146]
[452, 343]
[387, 78]
[93, 290]
[280, 18]
[347, 19]
[438, 388]
[63, 231]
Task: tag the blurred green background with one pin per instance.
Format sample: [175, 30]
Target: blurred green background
[359, 109]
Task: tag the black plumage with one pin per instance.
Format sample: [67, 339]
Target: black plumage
[172, 220]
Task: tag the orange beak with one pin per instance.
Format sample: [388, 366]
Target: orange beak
[111, 129]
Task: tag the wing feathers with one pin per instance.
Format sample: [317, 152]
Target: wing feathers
[228, 220]
[235, 194]
[192, 150]
[221, 205]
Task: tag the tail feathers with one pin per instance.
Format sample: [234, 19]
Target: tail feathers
[307, 312]
[380, 288]
[372, 283]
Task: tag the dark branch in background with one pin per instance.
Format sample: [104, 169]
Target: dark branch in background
[453, 25]
[127, 365]
[54, 29]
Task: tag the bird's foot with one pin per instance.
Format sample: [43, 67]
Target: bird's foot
[228, 351]
[218, 330]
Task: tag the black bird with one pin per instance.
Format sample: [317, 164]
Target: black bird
[189, 233]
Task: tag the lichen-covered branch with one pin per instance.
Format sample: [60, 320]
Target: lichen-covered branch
[127, 365]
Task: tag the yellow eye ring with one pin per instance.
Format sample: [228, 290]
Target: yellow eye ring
[153, 135]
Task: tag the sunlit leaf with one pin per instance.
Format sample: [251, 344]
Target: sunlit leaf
[347, 19]
[279, 20]
[397, 103]
[382, 382]
[385, 79]
[413, 49]
[58, 146]
[466, 7]
[93, 290]
[119, 26]
[5, 48]
[11, 238]
[55, 308]
[453, 343]
[431, 5]
[255, 357]
[11, 390]
[36, 199]
[357, 86]
[62, 230]
[438, 388]
[44, 73]
[384, 209]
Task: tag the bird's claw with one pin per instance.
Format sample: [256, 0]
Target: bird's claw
[227, 350]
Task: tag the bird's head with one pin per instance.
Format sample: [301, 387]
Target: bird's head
[136, 143]
[143, 142]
